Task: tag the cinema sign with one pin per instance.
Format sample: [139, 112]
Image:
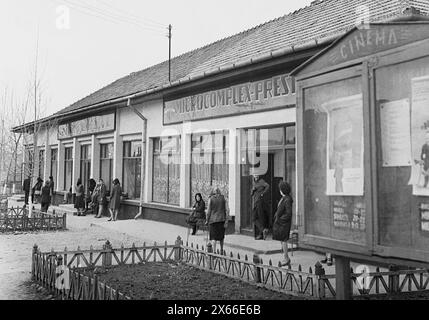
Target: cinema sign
[269, 94]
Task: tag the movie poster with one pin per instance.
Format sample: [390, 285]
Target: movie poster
[420, 136]
[345, 171]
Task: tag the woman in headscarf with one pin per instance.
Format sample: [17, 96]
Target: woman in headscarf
[198, 213]
[101, 198]
[217, 218]
[283, 220]
[79, 201]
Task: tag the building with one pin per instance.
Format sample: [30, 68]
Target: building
[228, 112]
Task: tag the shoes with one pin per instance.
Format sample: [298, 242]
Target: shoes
[259, 238]
[110, 219]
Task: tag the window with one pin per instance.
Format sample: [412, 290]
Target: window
[132, 163]
[29, 164]
[68, 168]
[41, 172]
[210, 163]
[166, 170]
[106, 164]
[85, 164]
[54, 165]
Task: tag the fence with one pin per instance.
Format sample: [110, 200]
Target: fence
[17, 219]
[312, 284]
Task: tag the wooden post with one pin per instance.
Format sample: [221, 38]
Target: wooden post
[257, 262]
[34, 262]
[95, 294]
[107, 256]
[394, 279]
[343, 278]
[178, 249]
[210, 252]
[320, 273]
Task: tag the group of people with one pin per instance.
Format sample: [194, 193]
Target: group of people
[40, 193]
[217, 215]
[98, 196]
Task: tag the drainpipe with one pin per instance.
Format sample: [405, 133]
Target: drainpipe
[144, 134]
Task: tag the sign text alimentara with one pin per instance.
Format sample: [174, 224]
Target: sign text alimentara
[248, 97]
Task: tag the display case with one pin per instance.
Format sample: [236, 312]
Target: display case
[363, 145]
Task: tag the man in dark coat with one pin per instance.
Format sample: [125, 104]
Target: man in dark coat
[260, 188]
[46, 197]
[26, 188]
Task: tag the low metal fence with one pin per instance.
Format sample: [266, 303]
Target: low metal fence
[18, 220]
[312, 284]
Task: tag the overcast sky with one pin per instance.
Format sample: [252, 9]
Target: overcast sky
[104, 42]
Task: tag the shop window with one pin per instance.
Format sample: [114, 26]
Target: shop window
[54, 165]
[166, 170]
[68, 168]
[106, 164]
[132, 162]
[402, 100]
[85, 164]
[210, 164]
[41, 172]
[334, 161]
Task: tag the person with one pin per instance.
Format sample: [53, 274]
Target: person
[90, 192]
[115, 200]
[46, 197]
[52, 189]
[198, 213]
[260, 219]
[101, 197]
[26, 188]
[283, 220]
[37, 191]
[217, 218]
[79, 201]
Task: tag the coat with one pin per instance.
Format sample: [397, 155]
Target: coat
[283, 219]
[101, 195]
[46, 195]
[115, 198]
[217, 210]
[260, 188]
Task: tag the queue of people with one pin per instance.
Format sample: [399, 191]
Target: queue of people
[216, 216]
[40, 193]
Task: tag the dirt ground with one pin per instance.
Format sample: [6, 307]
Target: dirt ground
[172, 281]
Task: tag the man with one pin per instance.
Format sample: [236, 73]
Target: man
[52, 189]
[45, 199]
[260, 188]
[26, 188]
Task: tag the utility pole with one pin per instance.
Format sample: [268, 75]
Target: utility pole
[169, 52]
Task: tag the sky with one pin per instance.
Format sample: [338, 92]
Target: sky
[87, 44]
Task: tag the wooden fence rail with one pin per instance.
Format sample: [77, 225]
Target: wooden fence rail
[314, 285]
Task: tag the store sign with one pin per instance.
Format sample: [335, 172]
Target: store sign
[92, 125]
[257, 96]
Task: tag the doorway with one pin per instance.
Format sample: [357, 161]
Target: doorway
[279, 165]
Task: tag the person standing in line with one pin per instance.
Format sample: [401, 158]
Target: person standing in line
[101, 198]
[26, 188]
[115, 200]
[283, 220]
[198, 214]
[260, 188]
[217, 218]
[52, 189]
[36, 192]
[46, 197]
[79, 201]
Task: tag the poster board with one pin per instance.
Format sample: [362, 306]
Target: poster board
[345, 151]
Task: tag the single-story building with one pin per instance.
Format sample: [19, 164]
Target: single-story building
[228, 113]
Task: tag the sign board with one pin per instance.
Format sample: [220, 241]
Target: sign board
[263, 95]
[91, 125]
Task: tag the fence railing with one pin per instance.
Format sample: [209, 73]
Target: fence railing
[17, 219]
[312, 284]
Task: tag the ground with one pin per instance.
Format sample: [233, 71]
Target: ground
[154, 281]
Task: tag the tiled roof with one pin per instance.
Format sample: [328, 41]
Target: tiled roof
[319, 23]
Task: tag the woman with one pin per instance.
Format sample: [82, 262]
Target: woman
[89, 197]
[101, 198]
[79, 201]
[260, 218]
[283, 220]
[217, 218]
[37, 191]
[198, 213]
[46, 197]
[115, 200]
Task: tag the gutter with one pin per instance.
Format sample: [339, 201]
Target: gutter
[143, 167]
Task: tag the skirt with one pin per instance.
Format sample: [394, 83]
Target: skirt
[80, 203]
[217, 231]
